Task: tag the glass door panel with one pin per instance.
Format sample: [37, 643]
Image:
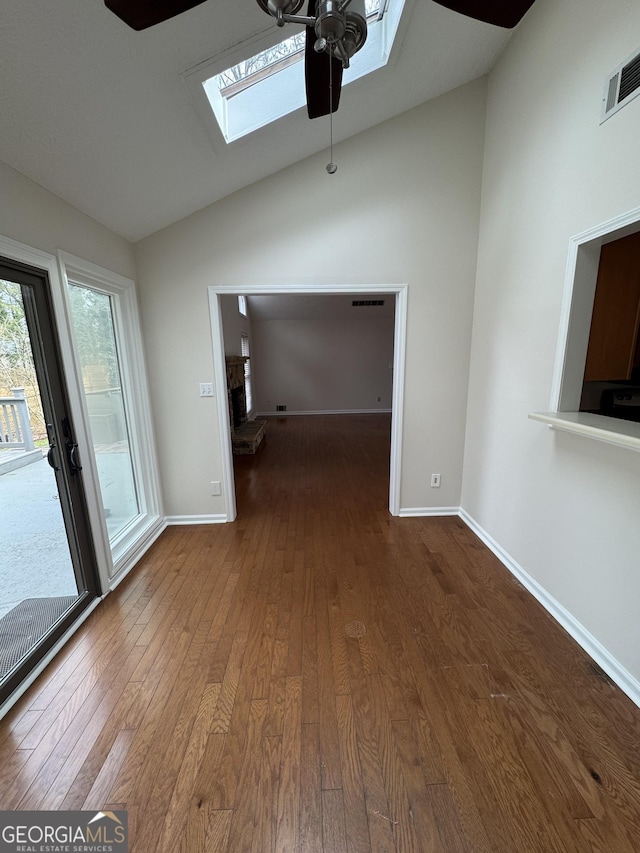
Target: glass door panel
[94, 328]
[47, 564]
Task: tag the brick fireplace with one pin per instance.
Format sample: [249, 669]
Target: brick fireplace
[235, 392]
[246, 435]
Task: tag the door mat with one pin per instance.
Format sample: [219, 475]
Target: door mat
[24, 626]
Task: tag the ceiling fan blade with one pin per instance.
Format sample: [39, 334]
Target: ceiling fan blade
[140, 14]
[502, 13]
[317, 75]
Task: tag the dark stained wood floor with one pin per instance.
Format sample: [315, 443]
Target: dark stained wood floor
[320, 676]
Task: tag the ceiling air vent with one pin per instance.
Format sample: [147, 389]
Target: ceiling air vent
[622, 86]
[360, 303]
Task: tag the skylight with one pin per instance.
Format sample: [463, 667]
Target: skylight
[273, 59]
[255, 91]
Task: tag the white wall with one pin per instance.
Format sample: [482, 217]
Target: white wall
[323, 364]
[39, 219]
[403, 207]
[564, 508]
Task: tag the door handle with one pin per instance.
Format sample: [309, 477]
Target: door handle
[74, 460]
[50, 457]
[72, 448]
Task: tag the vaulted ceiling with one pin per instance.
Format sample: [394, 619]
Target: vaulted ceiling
[99, 114]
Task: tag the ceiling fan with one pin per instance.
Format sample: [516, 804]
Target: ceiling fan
[335, 31]
[502, 13]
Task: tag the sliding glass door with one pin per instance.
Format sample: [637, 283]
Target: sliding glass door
[106, 336]
[48, 572]
[93, 322]
[79, 486]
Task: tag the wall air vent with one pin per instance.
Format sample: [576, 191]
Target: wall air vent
[361, 303]
[622, 86]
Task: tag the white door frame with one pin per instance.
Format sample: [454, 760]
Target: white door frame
[220, 374]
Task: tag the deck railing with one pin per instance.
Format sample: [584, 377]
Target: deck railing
[15, 428]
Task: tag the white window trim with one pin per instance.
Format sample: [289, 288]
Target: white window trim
[127, 548]
[573, 339]
[248, 379]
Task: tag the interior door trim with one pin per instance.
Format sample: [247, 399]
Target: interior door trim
[399, 349]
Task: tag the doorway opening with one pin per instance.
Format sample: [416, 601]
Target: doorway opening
[396, 292]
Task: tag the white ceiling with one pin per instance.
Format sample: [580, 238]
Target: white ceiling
[99, 114]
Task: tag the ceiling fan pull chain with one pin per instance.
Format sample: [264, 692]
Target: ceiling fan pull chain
[331, 166]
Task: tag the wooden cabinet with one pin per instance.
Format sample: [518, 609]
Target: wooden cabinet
[614, 342]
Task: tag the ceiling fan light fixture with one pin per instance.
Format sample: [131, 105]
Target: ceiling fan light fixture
[335, 30]
[254, 91]
[330, 21]
[275, 8]
[355, 32]
[340, 26]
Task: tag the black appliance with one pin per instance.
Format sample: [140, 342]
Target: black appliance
[621, 403]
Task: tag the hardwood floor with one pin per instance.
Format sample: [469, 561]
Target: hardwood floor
[320, 676]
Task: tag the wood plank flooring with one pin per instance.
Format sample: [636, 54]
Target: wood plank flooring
[319, 676]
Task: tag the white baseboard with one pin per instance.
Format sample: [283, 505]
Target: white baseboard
[427, 511]
[614, 669]
[220, 518]
[325, 412]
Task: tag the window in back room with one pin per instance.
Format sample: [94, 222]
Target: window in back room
[248, 391]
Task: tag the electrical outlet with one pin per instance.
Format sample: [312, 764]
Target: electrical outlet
[206, 389]
[281, 408]
[216, 488]
[435, 481]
